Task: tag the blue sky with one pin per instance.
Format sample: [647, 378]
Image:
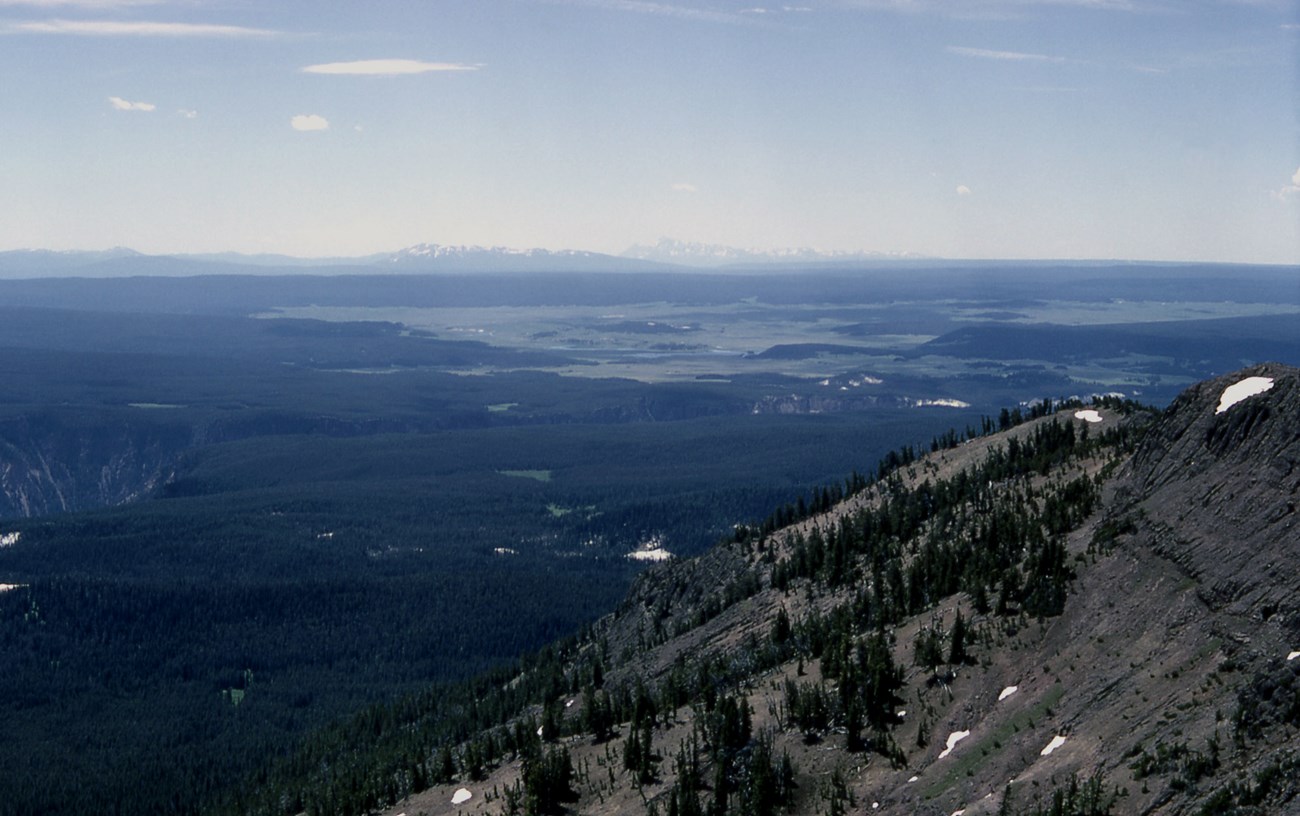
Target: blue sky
[1139, 129]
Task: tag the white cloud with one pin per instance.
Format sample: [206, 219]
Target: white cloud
[187, 113]
[121, 104]
[385, 67]
[963, 190]
[309, 121]
[1292, 190]
[983, 53]
[112, 28]
[685, 187]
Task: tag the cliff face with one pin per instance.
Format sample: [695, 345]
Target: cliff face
[1217, 485]
[51, 464]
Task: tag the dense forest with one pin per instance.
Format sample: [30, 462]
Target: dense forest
[992, 531]
[276, 584]
[231, 518]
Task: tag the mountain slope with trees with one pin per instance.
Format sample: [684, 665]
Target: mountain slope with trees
[1068, 616]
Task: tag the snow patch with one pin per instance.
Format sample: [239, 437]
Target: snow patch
[505, 551]
[1292, 656]
[9, 539]
[1007, 692]
[8, 587]
[1088, 415]
[958, 812]
[461, 796]
[940, 403]
[657, 554]
[1237, 392]
[1056, 742]
[913, 779]
[953, 738]
[651, 550]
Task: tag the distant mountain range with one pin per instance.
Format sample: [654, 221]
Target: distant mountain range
[667, 254]
[685, 253]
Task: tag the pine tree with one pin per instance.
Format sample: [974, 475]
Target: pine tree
[957, 646]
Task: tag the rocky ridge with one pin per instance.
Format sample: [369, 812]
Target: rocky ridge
[1136, 651]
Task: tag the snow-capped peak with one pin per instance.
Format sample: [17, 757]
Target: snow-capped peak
[668, 250]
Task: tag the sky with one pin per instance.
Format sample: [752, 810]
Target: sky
[1070, 129]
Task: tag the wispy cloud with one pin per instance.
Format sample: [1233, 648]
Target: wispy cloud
[385, 67]
[963, 190]
[663, 10]
[1015, 56]
[121, 104]
[90, 4]
[187, 113]
[113, 28]
[685, 187]
[776, 10]
[309, 122]
[995, 9]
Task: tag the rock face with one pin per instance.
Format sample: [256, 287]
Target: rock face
[1218, 491]
[52, 464]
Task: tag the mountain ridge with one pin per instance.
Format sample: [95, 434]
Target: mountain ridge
[866, 654]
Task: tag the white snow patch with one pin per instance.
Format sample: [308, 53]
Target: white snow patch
[875, 806]
[1007, 692]
[656, 554]
[1292, 656]
[461, 796]
[953, 738]
[1237, 392]
[902, 712]
[1056, 742]
[913, 779]
[958, 812]
[9, 539]
[824, 383]
[8, 587]
[1088, 415]
[569, 704]
[505, 551]
[941, 403]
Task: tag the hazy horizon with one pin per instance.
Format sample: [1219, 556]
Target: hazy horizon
[994, 129]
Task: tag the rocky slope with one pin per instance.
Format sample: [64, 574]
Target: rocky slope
[51, 463]
[1093, 612]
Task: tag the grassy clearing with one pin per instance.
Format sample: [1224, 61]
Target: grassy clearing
[535, 475]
